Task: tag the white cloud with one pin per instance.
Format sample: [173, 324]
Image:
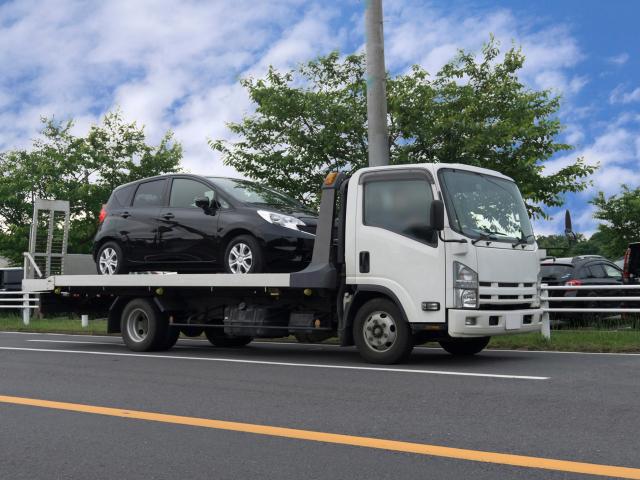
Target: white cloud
[619, 95]
[619, 59]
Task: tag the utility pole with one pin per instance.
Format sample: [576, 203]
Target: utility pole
[376, 85]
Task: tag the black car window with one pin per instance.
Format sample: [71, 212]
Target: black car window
[122, 196]
[597, 271]
[556, 272]
[612, 272]
[149, 194]
[401, 206]
[184, 192]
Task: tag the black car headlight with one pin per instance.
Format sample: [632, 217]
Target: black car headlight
[286, 221]
[465, 286]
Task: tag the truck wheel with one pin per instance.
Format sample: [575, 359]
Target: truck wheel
[110, 260]
[380, 332]
[191, 331]
[243, 255]
[145, 328]
[219, 339]
[465, 346]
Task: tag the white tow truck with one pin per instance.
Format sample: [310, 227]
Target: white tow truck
[403, 255]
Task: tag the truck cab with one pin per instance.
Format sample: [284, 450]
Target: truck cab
[477, 277]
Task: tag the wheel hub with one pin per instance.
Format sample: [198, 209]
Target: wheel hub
[380, 331]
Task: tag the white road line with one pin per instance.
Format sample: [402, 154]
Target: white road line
[81, 342]
[283, 364]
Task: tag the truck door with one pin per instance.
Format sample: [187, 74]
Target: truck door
[396, 248]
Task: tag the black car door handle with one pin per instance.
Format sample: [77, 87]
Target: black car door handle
[168, 216]
[125, 214]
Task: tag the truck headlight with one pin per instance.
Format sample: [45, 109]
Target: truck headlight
[465, 286]
[285, 221]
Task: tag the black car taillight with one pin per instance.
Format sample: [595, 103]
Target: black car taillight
[103, 214]
[625, 267]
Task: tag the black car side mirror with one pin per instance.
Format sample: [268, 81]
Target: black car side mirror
[437, 215]
[203, 203]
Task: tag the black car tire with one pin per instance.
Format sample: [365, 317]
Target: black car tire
[110, 259]
[380, 317]
[145, 328]
[465, 346]
[219, 339]
[246, 252]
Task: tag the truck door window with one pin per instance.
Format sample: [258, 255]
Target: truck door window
[149, 194]
[401, 206]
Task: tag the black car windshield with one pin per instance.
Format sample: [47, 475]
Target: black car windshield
[250, 192]
[484, 206]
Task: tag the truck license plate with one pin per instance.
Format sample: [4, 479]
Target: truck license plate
[513, 322]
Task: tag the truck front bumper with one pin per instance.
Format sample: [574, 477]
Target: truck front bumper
[483, 323]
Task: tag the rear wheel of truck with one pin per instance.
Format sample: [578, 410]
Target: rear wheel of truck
[191, 331]
[144, 328]
[465, 346]
[219, 339]
[380, 332]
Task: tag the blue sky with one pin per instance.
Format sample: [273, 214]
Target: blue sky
[175, 64]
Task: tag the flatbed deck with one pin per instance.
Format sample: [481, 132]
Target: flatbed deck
[199, 280]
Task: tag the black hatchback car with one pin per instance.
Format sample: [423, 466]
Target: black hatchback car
[583, 270]
[191, 223]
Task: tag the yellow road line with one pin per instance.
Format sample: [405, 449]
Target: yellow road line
[335, 438]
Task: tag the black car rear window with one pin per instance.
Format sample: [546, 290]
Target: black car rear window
[149, 194]
[122, 196]
[556, 271]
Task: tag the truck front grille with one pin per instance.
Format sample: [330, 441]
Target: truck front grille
[506, 295]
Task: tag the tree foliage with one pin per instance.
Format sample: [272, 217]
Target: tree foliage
[560, 246]
[312, 120]
[621, 216]
[83, 170]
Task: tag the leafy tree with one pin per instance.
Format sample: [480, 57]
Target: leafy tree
[83, 170]
[312, 120]
[621, 214]
[560, 246]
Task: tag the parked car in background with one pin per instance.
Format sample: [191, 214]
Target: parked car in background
[192, 223]
[583, 270]
[11, 278]
[631, 264]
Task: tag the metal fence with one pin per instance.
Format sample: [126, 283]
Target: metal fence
[621, 300]
[19, 301]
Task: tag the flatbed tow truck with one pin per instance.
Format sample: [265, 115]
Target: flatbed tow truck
[395, 264]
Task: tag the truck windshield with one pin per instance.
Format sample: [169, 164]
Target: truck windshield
[484, 206]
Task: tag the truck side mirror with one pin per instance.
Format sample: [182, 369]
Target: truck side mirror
[437, 215]
[568, 230]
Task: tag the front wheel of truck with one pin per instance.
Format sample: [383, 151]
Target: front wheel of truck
[465, 346]
[380, 332]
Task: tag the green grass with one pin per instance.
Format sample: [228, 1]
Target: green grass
[619, 341]
[587, 340]
[14, 323]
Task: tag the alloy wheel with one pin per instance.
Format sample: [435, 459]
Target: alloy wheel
[240, 258]
[108, 261]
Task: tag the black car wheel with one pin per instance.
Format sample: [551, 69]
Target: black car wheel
[110, 260]
[243, 255]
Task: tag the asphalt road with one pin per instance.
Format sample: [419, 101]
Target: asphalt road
[575, 407]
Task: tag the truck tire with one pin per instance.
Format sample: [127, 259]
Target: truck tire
[219, 339]
[465, 346]
[191, 331]
[381, 333]
[144, 328]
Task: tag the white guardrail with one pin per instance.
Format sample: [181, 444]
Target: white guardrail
[621, 299]
[18, 300]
